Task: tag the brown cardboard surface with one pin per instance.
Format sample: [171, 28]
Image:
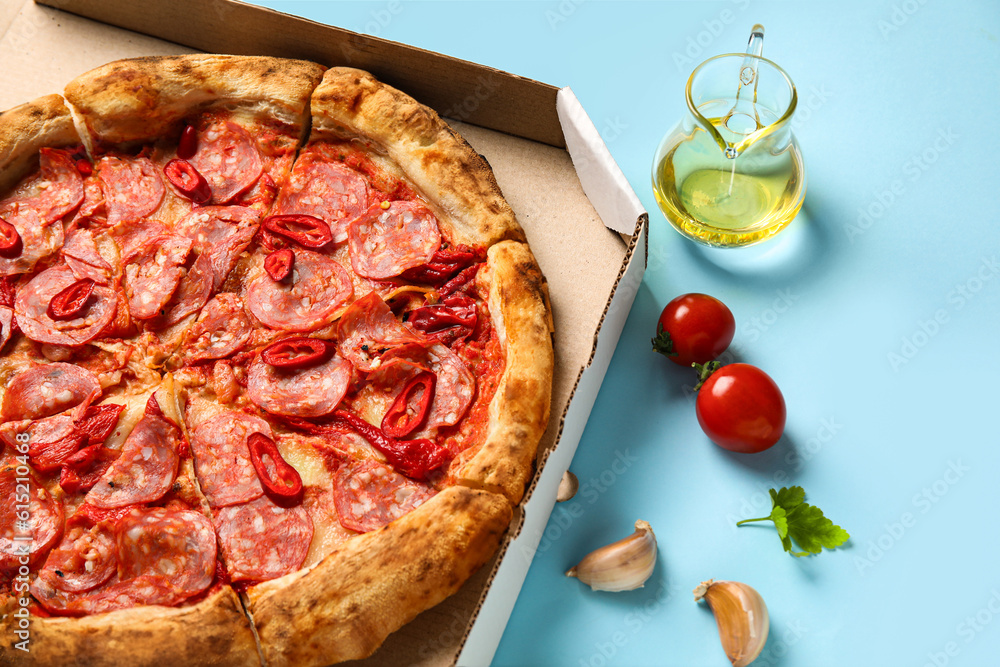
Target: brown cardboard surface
[44, 48]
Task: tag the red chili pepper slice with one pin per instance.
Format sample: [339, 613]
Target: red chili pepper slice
[188, 144]
[10, 241]
[279, 264]
[281, 481]
[453, 319]
[410, 408]
[71, 302]
[444, 264]
[99, 421]
[84, 167]
[293, 353]
[306, 230]
[416, 459]
[188, 181]
[48, 456]
[81, 471]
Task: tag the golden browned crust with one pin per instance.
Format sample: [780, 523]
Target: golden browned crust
[26, 128]
[375, 583]
[213, 632]
[140, 99]
[350, 103]
[519, 411]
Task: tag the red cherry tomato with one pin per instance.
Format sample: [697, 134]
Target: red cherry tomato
[694, 328]
[741, 409]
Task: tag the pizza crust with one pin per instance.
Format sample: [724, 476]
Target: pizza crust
[142, 99]
[373, 584]
[45, 122]
[519, 411]
[214, 632]
[352, 104]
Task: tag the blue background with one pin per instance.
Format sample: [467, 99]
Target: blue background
[897, 114]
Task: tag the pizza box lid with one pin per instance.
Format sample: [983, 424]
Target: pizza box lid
[585, 225]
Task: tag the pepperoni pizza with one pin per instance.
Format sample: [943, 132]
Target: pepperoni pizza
[275, 359]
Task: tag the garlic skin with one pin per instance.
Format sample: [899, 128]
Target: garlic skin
[568, 486]
[741, 615]
[620, 566]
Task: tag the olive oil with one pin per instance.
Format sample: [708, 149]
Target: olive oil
[723, 201]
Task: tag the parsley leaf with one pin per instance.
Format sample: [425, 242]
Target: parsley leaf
[797, 520]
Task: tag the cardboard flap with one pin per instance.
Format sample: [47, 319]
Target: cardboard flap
[602, 179]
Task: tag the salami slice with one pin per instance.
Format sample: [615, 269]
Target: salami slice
[6, 324]
[319, 286]
[33, 301]
[324, 189]
[132, 188]
[368, 329]
[384, 242]
[84, 559]
[81, 255]
[228, 159]
[222, 458]
[146, 468]
[261, 541]
[222, 328]
[455, 387]
[47, 389]
[369, 495]
[223, 232]
[303, 392]
[40, 240]
[28, 511]
[153, 272]
[146, 590]
[177, 545]
[192, 293]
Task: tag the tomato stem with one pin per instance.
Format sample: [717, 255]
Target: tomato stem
[704, 371]
[663, 343]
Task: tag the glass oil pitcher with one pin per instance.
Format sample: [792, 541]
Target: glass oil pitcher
[731, 174]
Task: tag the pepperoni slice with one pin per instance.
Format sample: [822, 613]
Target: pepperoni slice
[260, 540]
[47, 389]
[146, 468]
[177, 545]
[222, 458]
[370, 495]
[192, 293]
[132, 188]
[303, 392]
[153, 272]
[84, 559]
[228, 159]
[146, 590]
[318, 287]
[368, 329]
[60, 186]
[33, 302]
[384, 242]
[222, 328]
[330, 191]
[81, 255]
[6, 324]
[223, 232]
[28, 511]
[38, 240]
[455, 387]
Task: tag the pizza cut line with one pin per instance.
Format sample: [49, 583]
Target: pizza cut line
[275, 361]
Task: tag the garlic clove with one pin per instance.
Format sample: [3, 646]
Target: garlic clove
[568, 487]
[620, 566]
[741, 615]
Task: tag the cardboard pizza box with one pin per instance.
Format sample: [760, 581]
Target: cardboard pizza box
[585, 225]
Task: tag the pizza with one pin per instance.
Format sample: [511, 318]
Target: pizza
[275, 359]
